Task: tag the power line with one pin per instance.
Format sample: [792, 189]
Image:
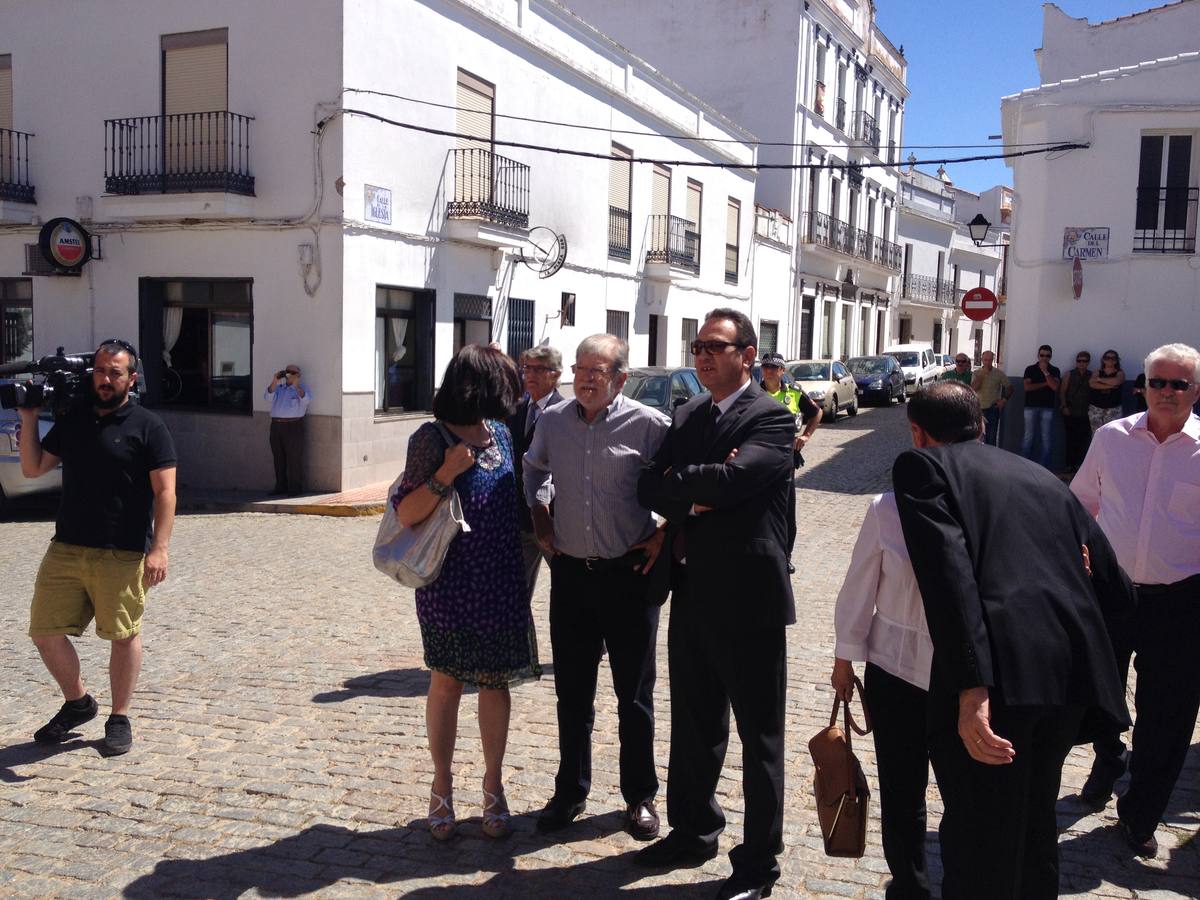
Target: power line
[589, 154]
[674, 137]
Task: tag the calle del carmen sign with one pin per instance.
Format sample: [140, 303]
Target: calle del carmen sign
[65, 244]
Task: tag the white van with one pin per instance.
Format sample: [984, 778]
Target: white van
[918, 362]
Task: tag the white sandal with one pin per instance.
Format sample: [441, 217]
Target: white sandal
[442, 826]
[495, 814]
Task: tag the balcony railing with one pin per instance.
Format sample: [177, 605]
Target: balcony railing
[928, 289]
[839, 118]
[772, 224]
[1166, 220]
[891, 153]
[674, 241]
[829, 232]
[618, 232]
[866, 130]
[14, 167]
[731, 263]
[180, 153]
[489, 186]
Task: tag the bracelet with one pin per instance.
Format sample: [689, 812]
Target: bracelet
[439, 489]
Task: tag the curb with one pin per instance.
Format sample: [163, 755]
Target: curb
[296, 509]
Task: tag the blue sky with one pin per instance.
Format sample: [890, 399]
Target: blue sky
[963, 56]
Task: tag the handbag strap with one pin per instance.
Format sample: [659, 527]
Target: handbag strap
[851, 725]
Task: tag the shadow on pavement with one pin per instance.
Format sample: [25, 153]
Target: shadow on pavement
[1082, 870]
[393, 683]
[31, 752]
[324, 855]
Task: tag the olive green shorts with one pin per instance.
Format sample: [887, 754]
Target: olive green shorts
[77, 584]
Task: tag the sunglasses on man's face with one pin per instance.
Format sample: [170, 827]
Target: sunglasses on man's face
[1043, 356]
[1177, 384]
[716, 348]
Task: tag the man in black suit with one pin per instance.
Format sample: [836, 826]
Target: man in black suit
[541, 367]
[1023, 665]
[721, 480]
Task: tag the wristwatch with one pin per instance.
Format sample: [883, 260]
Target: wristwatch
[439, 489]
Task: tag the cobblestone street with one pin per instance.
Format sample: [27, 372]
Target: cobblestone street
[280, 750]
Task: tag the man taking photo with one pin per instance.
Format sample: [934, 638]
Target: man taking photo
[118, 469]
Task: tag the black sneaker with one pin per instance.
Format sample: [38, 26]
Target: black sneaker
[118, 735]
[66, 720]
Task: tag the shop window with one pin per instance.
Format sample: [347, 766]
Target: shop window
[403, 350]
[196, 339]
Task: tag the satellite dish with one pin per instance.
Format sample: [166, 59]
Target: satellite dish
[547, 251]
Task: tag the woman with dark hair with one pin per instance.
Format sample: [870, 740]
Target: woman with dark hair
[476, 627]
[1104, 396]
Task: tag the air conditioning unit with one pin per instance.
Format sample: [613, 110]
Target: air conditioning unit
[36, 264]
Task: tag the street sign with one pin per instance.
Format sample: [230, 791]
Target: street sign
[979, 303]
[1077, 278]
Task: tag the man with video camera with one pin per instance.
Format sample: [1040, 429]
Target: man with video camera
[118, 471]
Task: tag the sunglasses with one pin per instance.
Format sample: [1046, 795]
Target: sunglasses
[1083, 359]
[961, 362]
[537, 370]
[124, 345]
[1044, 355]
[713, 347]
[1177, 384]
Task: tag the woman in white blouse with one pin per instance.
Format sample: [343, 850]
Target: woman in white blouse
[880, 620]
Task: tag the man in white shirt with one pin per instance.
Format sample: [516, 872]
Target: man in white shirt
[1141, 480]
[289, 398]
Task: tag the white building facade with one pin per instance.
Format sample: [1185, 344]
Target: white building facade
[821, 84]
[330, 185]
[1127, 89]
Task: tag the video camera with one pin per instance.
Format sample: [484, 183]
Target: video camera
[57, 381]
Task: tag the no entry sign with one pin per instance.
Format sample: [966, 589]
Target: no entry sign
[979, 303]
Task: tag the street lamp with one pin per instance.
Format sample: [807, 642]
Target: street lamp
[978, 227]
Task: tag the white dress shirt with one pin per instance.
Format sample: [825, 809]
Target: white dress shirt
[879, 617]
[1146, 497]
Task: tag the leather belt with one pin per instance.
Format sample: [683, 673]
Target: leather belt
[607, 564]
[288, 420]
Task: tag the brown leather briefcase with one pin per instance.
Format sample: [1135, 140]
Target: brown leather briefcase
[839, 784]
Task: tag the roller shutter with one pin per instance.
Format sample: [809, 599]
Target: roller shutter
[195, 92]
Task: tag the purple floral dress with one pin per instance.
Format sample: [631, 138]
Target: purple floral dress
[475, 620]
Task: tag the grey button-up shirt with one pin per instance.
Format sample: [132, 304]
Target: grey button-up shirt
[590, 471]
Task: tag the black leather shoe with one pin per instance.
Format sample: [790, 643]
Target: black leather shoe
[1098, 789]
[675, 852]
[641, 821]
[558, 815]
[1145, 847]
[737, 889]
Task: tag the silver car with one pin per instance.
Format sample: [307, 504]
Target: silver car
[12, 482]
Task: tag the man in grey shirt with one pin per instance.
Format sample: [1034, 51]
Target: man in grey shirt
[605, 591]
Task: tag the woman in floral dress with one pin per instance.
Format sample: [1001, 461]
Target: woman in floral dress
[476, 626]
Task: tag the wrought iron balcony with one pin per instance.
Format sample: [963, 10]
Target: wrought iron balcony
[618, 232]
[490, 187]
[840, 115]
[674, 241]
[14, 167]
[837, 235]
[1166, 220]
[178, 154]
[927, 289]
[866, 130]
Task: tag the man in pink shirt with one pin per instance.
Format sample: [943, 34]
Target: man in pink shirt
[1141, 480]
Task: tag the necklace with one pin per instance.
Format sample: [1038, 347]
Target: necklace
[487, 454]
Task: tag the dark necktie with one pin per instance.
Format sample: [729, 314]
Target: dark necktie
[531, 417]
[678, 545]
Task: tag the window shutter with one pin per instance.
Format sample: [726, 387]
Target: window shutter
[618, 178]
[476, 101]
[195, 79]
[693, 203]
[6, 101]
[732, 214]
[660, 196]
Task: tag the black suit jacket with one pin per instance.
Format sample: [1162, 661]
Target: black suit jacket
[521, 442]
[736, 552]
[995, 544]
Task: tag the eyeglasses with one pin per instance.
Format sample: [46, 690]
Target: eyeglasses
[1044, 355]
[714, 348]
[961, 362]
[1109, 358]
[1177, 384]
[540, 370]
[1083, 359]
[590, 372]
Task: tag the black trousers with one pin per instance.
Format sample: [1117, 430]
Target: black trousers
[591, 610]
[1165, 636]
[712, 670]
[999, 831]
[1079, 437]
[287, 452]
[898, 716]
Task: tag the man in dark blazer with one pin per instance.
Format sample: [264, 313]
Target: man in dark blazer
[1023, 664]
[721, 480]
[541, 367]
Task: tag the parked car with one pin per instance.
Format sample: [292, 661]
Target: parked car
[945, 360]
[879, 378]
[662, 388]
[828, 383]
[917, 361]
[12, 482]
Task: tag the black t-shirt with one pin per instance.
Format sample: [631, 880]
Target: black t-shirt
[1040, 398]
[107, 500]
